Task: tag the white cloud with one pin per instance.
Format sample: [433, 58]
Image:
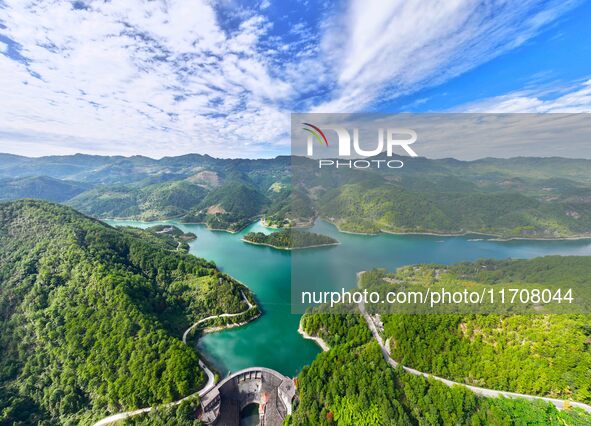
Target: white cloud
[140, 77]
[570, 100]
[165, 77]
[384, 49]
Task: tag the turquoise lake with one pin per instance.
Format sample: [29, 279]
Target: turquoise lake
[272, 340]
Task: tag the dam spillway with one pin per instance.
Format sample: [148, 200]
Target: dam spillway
[273, 392]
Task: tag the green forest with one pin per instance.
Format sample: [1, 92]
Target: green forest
[92, 316]
[170, 232]
[547, 355]
[290, 239]
[183, 414]
[365, 208]
[352, 385]
[519, 197]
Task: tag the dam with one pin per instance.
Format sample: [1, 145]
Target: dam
[271, 391]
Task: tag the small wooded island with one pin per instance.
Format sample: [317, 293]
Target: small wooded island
[173, 231]
[290, 239]
[175, 237]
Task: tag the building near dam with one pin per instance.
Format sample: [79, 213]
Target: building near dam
[271, 391]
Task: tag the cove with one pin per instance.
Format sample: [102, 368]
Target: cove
[272, 340]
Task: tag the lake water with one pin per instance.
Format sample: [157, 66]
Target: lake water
[272, 340]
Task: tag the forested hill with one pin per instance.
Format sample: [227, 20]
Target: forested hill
[92, 316]
[351, 384]
[545, 355]
[288, 239]
[517, 197]
[223, 193]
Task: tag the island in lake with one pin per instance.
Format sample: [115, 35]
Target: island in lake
[290, 239]
[172, 235]
[172, 231]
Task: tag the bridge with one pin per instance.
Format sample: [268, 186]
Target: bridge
[271, 391]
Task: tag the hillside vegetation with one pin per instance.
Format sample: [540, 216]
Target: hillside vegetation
[352, 385]
[39, 187]
[548, 355]
[290, 239]
[504, 198]
[519, 197]
[92, 316]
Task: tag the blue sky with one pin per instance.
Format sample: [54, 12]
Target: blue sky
[171, 77]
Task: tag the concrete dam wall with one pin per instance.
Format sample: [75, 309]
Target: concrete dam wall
[272, 391]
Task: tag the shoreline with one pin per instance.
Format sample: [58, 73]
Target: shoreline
[265, 225]
[216, 229]
[253, 221]
[290, 248]
[359, 275]
[215, 329]
[174, 221]
[318, 340]
[491, 237]
[296, 226]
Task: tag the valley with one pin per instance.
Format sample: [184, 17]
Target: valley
[522, 197]
[239, 294]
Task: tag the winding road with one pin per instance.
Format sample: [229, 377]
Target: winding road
[491, 393]
[210, 376]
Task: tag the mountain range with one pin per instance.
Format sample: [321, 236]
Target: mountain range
[519, 197]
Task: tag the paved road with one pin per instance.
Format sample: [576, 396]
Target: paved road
[210, 376]
[491, 393]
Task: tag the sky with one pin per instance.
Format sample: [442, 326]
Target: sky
[167, 77]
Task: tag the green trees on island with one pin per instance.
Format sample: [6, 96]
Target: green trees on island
[290, 239]
[92, 316]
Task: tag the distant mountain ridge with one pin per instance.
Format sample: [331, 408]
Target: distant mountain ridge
[524, 197]
[44, 187]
